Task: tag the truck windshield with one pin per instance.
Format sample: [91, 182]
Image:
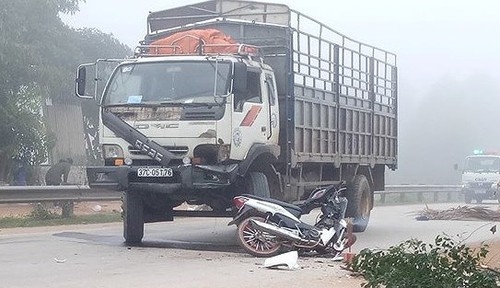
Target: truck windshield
[482, 164]
[168, 82]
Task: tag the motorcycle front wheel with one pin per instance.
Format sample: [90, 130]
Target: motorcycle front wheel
[257, 242]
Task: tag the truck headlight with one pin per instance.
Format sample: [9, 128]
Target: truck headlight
[112, 151]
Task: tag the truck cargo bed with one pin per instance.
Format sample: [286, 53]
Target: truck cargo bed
[339, 95]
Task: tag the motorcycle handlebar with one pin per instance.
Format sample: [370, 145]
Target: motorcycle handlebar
[322, 195]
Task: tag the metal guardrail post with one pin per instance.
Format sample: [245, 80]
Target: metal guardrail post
[67, 209]
[382, 198]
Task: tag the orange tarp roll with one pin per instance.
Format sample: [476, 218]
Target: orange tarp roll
[188, 42]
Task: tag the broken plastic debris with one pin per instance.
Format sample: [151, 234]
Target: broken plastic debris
[97, 208]
[338, 257]
[289, 260]
[59, 260]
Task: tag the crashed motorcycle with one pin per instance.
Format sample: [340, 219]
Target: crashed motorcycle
[267, 226]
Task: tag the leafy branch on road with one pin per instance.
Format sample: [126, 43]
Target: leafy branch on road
[460, 213]
[413, 263]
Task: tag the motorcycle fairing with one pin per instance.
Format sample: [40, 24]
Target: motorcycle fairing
[294, 209]
[326, 235]
[267, 207]
[242, 214]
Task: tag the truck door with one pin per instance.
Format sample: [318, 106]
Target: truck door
[251, 118]
[272, 100]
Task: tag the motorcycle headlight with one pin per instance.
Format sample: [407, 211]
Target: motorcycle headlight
[110, 151]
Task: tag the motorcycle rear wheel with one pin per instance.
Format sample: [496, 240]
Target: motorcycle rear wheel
[256, 242]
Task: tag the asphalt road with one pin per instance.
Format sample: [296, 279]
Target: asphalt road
[192, 252]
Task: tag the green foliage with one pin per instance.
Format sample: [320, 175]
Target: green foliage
[39, 55]
[413, 263]
[40, 212]
[23, 130]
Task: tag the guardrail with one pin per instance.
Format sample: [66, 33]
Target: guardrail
[79, 193]
[70, 193]
[420, 190]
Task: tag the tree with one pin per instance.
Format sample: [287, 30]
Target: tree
[38, 56]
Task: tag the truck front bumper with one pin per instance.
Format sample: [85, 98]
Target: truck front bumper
[185, 177]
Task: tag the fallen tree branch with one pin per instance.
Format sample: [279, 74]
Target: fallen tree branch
[460, 213]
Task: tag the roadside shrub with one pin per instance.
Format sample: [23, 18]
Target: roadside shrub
[40, 212]
[413, 263]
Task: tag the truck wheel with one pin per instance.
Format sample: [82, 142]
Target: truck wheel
[133, 217]
[274, 182]
[359, 203]
[256, 184]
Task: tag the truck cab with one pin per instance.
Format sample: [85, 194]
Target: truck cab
[207, 112]
[480, 177]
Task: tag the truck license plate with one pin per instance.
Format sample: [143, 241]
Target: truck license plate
[155, 172]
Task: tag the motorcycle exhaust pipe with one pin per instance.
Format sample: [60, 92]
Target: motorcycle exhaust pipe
[277, 231]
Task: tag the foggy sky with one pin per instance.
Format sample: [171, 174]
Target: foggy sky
[444, 48]
[456, 37]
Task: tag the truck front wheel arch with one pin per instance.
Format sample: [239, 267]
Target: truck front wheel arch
[258, 154]
[260, 159]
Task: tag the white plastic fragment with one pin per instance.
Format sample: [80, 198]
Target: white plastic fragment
[97, 208]
[59, 260]
[289, 260]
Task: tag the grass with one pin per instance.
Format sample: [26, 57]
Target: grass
[30, 221]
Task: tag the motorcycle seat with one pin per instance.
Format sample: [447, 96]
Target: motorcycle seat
[294, 209]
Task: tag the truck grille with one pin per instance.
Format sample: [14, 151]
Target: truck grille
[199, 115]
[480, 184]
[176, 150]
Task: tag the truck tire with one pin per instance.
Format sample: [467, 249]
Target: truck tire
[359, 203]
[274, 182]
[133, 218]
[256, 184]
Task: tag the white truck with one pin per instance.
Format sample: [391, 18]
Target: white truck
[284, 105]
[481, 177]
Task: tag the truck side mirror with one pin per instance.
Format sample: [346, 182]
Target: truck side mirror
[240, 77]
[455, 166]
[81, 77]
[81, 81]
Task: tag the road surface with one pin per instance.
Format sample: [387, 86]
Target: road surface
[192, 252]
